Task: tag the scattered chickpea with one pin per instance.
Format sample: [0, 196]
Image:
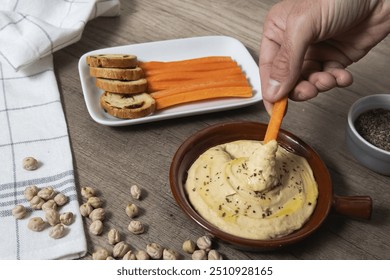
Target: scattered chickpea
[199, 255]
[113, 236]
[30, 192]
[36, 203]
[136, 227]
[109, 258]
[85, 209]
[170, 254]
[204, 242]
[95, 201]
[100, 254]
[19, 212]
[214, 255]
[30, 163]
[135, 192]
[36, 224]
[132, 210]
[96, 227]
[57, 231]
[142, 255]
[87, 192]
[189, 246]
[47, 193]
[50, 204]
[60, 199]
[66, 218]
[52, 216]
[120, 249]
[154, 250]
[129, 256]
[97, 214]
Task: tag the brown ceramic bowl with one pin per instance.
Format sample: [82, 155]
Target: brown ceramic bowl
[195, 145]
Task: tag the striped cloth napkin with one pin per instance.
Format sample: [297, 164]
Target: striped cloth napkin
[32, 122]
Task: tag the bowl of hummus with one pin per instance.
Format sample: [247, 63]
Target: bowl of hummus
[255, 195]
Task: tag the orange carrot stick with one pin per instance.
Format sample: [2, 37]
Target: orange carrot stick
[201, 60]
[191, 68]
[275, 122]
[198, 86]
[202, 94]
[162, 85]
[175, 76]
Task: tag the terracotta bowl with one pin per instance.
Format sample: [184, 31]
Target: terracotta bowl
[195, 145]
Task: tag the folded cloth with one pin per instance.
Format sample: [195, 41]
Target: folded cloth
[32, 122]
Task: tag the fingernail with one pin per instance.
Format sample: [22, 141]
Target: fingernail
[273, 88]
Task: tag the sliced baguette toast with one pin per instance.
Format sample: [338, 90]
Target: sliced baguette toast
[127, 106]
[112, 61]
[123, 87]
[124, 74]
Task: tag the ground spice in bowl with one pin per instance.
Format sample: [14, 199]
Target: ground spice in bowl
[374, 126]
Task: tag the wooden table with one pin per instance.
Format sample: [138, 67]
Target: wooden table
[112, 159]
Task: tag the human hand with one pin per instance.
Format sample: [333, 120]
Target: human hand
[307, 44]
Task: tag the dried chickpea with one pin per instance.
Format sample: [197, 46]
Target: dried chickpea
[189, 246]
[50, 204]
[36, 224]
[199, 255]
[61, 199]
[135, 192]
[66, 218]
[19, 212]
[170, 254]
[30, 192]
[97, 214]
[113, 236]
[136, 227]
[120, 249]
[85, 209]
[47, 193]
[96, 227]
[142, 255]
[95, 201]
[109, 258]
[214, 255]
[36, 203]
[132, 210]
[52, 217]
[30, 163]
[100, 254]
[154, 250]
[204, 242]
[87, 192]
[57, 231]
[129, 256]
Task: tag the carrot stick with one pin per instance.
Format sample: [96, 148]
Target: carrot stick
[191, 68]
[275, 122]
[198, 86]
[162, 85]
[201, 60]
[202, 94]
[174, 76]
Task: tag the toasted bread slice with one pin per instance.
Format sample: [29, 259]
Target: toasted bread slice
[123, 87]
[124, 74]
[127, 106]
[112, 60]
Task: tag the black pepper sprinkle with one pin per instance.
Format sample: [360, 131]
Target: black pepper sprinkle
[374, 126]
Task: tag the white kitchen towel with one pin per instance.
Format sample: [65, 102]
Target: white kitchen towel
[32, 121]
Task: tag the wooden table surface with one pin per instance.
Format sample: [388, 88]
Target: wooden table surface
[112, 159]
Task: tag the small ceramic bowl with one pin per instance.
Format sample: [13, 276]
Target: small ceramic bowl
[195, 145]
[366, 153]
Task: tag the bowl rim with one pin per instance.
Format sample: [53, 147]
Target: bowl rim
[321, 211]
[354, 113]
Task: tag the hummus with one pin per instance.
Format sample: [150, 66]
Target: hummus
[252, 190]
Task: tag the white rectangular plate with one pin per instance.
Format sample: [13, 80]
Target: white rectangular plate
[170, 50]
